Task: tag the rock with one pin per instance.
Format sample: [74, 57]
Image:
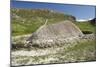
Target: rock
[52, 34]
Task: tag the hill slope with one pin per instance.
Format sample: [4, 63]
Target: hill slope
[25, 21]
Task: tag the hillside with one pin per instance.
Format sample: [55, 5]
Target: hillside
[46, 36]
[93, 21]
[86, 26]
[25, 21]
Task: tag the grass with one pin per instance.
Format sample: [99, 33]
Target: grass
[83, 51]
[28, 21]
[86, 26]
[21, 28]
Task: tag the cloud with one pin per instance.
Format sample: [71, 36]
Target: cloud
[82, 20]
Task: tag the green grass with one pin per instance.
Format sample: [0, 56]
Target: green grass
[19, 28]
[26, 21]
[86, 26]
[83, 51]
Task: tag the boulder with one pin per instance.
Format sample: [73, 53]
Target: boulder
[52, 34]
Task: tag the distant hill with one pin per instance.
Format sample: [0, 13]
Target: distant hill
[25, 21]
[88, 25]
[93, 21]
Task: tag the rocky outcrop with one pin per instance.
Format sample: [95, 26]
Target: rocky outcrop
[57, 34]
[52, 34]
[19, 41]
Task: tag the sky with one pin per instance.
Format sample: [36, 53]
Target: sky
[81, 12]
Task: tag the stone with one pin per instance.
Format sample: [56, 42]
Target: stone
[57, 33]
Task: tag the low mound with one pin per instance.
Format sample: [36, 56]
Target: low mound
[52, 34]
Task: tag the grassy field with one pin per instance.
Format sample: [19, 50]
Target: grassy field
[84, 51]
[86, 26]
[27, 21]
[21, 29]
